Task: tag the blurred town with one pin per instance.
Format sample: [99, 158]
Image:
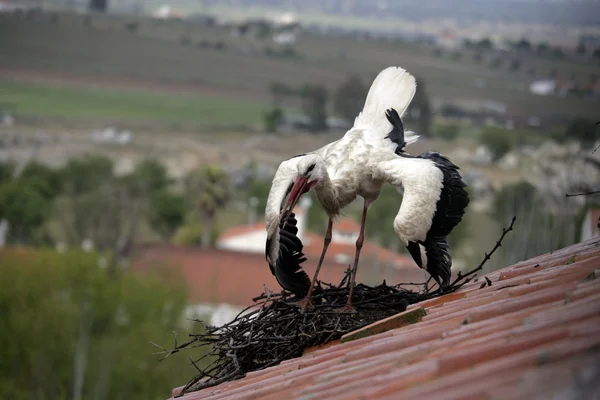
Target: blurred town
[138, 140]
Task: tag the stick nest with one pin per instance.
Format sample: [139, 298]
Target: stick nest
[274, 329]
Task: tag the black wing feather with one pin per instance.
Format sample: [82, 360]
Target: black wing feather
[288, 269]
[450, 210]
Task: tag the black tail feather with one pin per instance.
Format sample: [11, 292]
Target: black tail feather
[287, 269]
[396, 135]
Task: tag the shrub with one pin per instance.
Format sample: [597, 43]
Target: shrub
[498, 141]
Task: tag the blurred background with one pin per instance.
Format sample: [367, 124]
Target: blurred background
[138, 140]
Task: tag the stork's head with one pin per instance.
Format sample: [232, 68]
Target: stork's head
[309, 172]
[293, 178]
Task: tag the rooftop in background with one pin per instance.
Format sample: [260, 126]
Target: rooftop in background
[223, 276]
[535, 332]
[252, 238]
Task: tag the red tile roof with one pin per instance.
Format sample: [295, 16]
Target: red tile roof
[370, 251]
[241, 230]
[216, 276]
[535, 332]
[313, 245]
[346, 225]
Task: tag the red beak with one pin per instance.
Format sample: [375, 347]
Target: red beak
[300, 187]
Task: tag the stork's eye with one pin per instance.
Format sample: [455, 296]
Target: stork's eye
[310, 168]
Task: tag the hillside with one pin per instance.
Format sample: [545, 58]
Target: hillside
[112, 53]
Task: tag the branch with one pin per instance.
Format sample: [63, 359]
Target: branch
[582, 194]
[485, 259]
[597, 147]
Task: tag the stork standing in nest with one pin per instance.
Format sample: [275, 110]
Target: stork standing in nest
[368, 156]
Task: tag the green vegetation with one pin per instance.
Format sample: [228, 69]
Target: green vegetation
[208, 191]
[79, 103]
[539, 228]
[85, 200]
[584, 130]
[68, 329]
[498, 141]
[349, 98]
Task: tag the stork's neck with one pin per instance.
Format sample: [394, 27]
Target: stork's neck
[329, 196]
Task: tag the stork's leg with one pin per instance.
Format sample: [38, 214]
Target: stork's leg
[307, 301]
[359, 244]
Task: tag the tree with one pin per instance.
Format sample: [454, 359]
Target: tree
[523, 44]
[543, 48]
[539, 230]
[167, 213]
[314, 104]
[420, 108]
[349, 98]
[582, 129]
[380, 218]
[558, 53]
[208, 190]
[498, 141]
[581, 48]
[515, 65]
[50, 177]
[448, 132]
[23, 204]
[96, 205]
[279, 92]
[273, 119]
[42, 294]
[496, 62]
[152, 175]
[485, 44]
[259, 189]
[6, 172]
[99, 5]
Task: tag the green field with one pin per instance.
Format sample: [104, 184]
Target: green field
[28, 99]
[238, 75]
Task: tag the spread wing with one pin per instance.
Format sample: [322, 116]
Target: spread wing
[434, 202]
[287, 266]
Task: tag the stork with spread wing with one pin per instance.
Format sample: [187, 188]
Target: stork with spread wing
[368, 156]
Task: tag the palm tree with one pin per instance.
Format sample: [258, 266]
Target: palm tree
[208, 190]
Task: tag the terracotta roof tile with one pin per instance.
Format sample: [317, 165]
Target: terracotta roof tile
[347, 225]
[532, 334]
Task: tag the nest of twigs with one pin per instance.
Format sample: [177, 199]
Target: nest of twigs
[274, 329]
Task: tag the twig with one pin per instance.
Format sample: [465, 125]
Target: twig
[597, 147]
[465, 277]
[273, 330]
[582, 194]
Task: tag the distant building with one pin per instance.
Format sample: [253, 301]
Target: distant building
[252, 238]
[545, 87]
[448, 40]
[222, 281]
[286, 37]
[166, 11]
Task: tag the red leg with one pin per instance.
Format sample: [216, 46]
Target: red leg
[359, 244]
[307, 301]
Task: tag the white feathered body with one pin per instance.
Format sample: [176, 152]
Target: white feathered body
[363, 160]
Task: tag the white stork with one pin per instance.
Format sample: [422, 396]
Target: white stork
[369, 155]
